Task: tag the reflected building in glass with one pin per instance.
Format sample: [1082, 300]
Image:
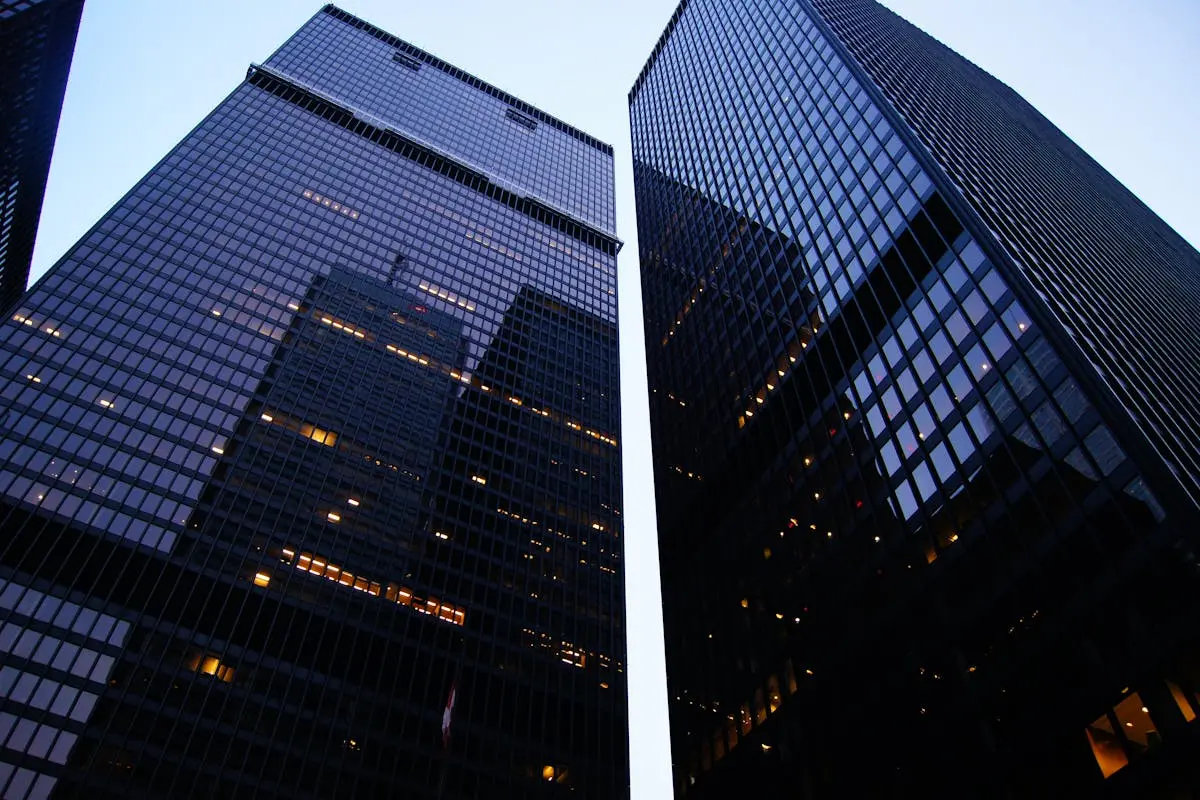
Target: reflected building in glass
[314, 431]
[926, 418]
[37, 42]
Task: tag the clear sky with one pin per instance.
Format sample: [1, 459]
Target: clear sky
[1118, 77]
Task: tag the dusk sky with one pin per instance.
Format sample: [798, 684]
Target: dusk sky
[1118, 77]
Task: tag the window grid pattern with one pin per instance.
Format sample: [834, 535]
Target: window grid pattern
[549, 162]
[1096, 255]
[37, 40]
[856, 426]
[323, 431]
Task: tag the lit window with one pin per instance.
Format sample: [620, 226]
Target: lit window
[307, 562]
[1181, 700]
[1136, 723]
[448, 296]
[482, 481]
[333, 517]
[1106, 746]
[499, 248]
[210, 665]
[262, 579]
[319, 435]
[338, 325]
[1127, 730]
[330, 204]
[774, 698]
[353, 501]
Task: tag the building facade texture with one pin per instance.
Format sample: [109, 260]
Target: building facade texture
[37, 41]
[924, 410]
[310, 466]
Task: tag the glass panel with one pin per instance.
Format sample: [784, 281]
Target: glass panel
[1106, 746]
[1136, 723]
[1181, 700]
[774, 698]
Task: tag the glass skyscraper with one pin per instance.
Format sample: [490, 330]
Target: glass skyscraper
[310, 463]
[926, 414]
[37, 41]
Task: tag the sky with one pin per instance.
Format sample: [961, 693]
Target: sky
[1118, 77]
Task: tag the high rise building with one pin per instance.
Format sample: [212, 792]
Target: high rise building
[310, 478]
[926, 417]
[37, 41]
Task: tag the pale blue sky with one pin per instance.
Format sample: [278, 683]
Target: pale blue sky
[1118, 77]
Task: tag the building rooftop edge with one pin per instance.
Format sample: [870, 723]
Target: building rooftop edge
[658, 46]
[384, 125]
[467, 77]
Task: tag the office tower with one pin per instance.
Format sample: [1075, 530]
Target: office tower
[311, 477]
[37, 40]
[925, 413]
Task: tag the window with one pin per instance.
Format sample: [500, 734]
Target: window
[206, 664]
[774, 697]
[522, 120]
[408, 61]
[1106, 746]
[1129, 729]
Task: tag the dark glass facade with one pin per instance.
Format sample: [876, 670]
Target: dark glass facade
[37, 41]
[315, 428]
[920, 533]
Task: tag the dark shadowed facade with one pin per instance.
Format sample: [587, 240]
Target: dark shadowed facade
[926, 421]
[37, 41]
[318, 426]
